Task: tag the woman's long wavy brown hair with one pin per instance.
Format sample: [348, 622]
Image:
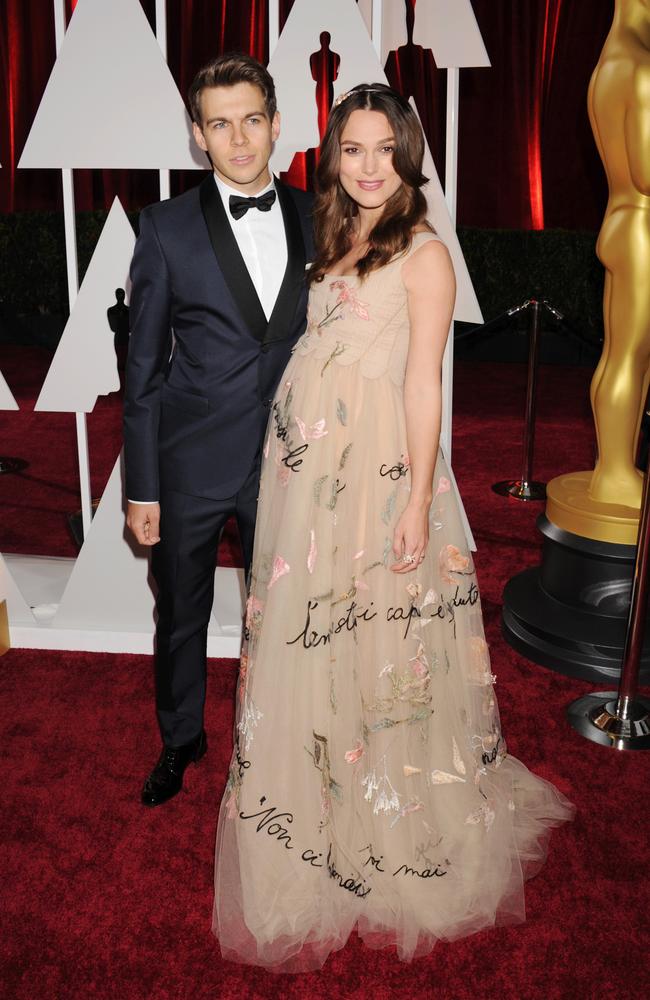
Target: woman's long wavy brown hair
[335, 210]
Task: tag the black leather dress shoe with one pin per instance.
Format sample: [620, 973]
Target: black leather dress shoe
[166, 779]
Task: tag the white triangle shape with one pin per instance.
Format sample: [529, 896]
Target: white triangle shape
[467, 308]
[289, 67]
[85, 364]
[449, 28]
[393, 24]
[18, 609]
[111, 101]
[108, 586]
[7, 400]
[110, 589]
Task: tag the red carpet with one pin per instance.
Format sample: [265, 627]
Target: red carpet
[101, 898]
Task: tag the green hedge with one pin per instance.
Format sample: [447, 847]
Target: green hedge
[33, 275]
[507, 266]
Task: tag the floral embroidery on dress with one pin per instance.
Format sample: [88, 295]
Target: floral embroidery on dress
[280, 568]
[336, 353]
[317, 430]
[443, 486]
[444, 777]
[254, 613]
[353, 755]
[330, 788]
[386, 799]
[348, 296]
[452, 561]
[414, 805]
[249, 720]
[313, 551]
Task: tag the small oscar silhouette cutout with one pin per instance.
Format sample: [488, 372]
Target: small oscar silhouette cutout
[324, 65]
[411, 70]
[118, 320]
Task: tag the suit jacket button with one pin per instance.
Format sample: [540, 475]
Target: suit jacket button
[266, 348]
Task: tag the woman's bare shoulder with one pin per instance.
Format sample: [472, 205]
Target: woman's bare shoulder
[431, 256]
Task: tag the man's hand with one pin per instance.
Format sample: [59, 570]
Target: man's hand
[143, 520]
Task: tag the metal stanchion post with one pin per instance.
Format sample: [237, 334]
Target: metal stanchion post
[525, 488]
[623, 721]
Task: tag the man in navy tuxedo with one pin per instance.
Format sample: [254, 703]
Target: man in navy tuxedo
[218, 300]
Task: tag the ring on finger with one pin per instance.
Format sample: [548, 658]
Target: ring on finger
[408, 558]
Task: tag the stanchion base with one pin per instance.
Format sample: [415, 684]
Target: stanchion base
[594, 717]
[520, 489]
[8, 465]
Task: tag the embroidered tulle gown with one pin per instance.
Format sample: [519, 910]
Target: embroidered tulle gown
[370, 786]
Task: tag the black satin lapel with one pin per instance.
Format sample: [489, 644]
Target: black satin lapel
[230, 259]
[294, 276]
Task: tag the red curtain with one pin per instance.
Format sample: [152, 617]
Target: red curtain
[526, 160]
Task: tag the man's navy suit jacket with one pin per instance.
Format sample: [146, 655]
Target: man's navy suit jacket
[204, 362]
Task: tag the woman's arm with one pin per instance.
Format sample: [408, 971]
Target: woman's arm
[430, 284]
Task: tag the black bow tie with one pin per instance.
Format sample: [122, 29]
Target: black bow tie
[239, 205]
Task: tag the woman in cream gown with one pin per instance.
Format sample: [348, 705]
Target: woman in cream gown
[370, 786]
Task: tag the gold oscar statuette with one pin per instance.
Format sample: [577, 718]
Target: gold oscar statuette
[4, 628]
[604, 504]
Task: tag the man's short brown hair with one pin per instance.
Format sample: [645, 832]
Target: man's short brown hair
[226, 71]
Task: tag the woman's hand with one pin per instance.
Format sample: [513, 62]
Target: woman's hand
[411, 537]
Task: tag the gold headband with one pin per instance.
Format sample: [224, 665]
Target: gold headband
[347, 93]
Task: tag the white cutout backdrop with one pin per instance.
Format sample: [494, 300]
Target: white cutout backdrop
[466, 308]
[450, 30]
[111, 100]
[17, 607]
[108, 585]
[7, 401]
[85, 364]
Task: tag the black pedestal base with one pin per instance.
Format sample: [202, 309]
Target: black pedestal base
[570, 613]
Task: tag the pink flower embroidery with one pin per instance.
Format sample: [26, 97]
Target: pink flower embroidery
[313, 551]
[452, 561]
[443, 486]
[347, 295]
[413, 806]
[243, 672]
[280, 568]
[284, 472]
[316, 430]
[420, 668]
[353, 755]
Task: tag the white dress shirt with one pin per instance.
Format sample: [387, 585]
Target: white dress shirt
[262, 243]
